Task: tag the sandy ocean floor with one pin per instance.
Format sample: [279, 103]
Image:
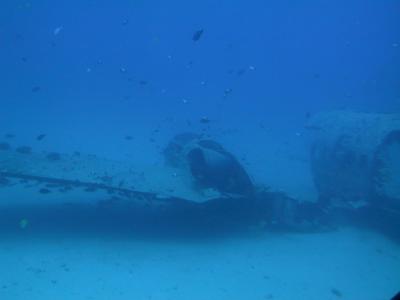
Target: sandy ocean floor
[345, 264]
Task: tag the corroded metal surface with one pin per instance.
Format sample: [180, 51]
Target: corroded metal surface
[349, 155]
[62, 173]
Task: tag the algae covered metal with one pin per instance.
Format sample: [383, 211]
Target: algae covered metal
[355, 158]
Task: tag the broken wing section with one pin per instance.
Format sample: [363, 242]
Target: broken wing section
[78, 177]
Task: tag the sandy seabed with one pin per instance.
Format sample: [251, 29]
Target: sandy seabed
[344, 264]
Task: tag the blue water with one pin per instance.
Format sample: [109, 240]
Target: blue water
[88, 74]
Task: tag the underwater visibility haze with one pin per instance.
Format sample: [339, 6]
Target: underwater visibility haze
[199, 150]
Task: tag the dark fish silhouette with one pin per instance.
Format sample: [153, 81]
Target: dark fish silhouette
[24, 150]
[227, 92]
[53, 156]
[312, 127]
[336, 292]
[240, 72]
[197, 35]
[44, 191]
[5, 146]
[205, 120]
[40, 137]
[36, 89]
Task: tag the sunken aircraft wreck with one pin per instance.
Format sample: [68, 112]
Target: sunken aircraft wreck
[354, 159]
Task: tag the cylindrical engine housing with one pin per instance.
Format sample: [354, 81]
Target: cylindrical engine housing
[355, 158]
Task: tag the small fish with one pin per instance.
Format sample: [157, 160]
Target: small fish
[5, 146]
[44, 191]
[240, 72]
[227, 92]
[9, 136]
[24, 150]
[53, 156]
[205, 120]
[197, 35]
[23, 223]
[189, 64]
[57, 30]
[336, 292]
[36, 89]
[40, 137]
[4, 181]
[128, 137]
[312, 127]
